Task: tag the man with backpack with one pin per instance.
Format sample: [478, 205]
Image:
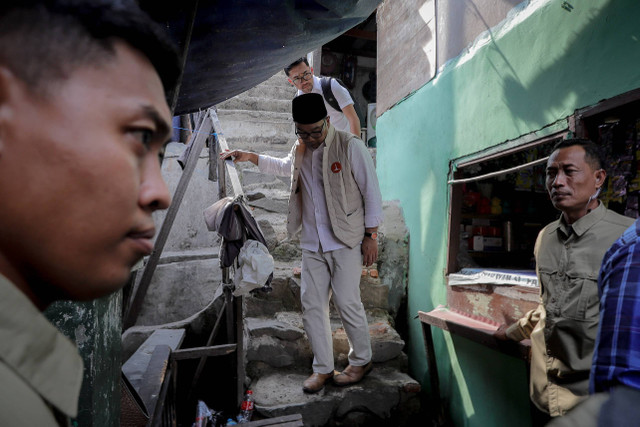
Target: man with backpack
[337, 100]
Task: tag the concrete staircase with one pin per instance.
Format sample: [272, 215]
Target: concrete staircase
[260, 118]
[278, 355]
[279, 359]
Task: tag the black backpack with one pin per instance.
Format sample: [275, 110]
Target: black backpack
[325, 84]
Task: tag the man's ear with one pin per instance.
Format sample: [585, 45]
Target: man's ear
[600, 176]
[311, 68]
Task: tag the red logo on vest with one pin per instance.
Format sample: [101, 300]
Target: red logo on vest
[336, 167]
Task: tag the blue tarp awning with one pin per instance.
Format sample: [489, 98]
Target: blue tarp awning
[236, 45]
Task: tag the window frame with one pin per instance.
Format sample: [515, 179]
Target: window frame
[455, 189]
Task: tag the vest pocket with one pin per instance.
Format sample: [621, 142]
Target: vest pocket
[355, 220]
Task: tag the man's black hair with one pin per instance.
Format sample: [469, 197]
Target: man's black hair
[288, 68]
[44, 41]
[591, 151]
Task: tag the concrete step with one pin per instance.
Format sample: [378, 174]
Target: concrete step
[274, 229]
[385, 397]
[276, 140]
[248, 117]
[169, 257]
[285, 295]
[267, 192]
[276, 191]
[286, 292]
[281, 342]
[271, 205]
[272, 92]
[279, 79]
[252, 176]
[271, 127]
[244, 102]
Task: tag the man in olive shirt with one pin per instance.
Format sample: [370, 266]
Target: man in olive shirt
[83, 120]
[568, 255]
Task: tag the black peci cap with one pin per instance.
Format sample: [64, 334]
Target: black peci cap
[308, 108]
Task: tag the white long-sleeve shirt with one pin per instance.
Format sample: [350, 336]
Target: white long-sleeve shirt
[316, 225]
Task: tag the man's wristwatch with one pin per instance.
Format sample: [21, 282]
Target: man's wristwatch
[374, 235]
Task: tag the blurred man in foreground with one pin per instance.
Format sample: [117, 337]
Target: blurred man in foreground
[83, 121]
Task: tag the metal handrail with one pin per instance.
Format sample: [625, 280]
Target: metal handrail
[221, 143]
[230, 167]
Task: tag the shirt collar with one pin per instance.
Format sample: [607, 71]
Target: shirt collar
[582, 225]
[37, 352]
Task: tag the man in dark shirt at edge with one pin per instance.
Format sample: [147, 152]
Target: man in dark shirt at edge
[83, 121]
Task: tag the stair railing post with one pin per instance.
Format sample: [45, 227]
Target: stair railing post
[234, 319]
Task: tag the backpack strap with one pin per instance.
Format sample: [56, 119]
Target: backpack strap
[327, 93]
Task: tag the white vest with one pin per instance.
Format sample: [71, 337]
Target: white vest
[344, 200]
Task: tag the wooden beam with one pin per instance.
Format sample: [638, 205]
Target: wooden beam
[609, 104]
[213, 159]
[474, 329]
[361, 34]
[223, 146]
[223, 168]
[356, 52]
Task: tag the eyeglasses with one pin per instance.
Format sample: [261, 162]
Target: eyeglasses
[317, 134]
[305, 76]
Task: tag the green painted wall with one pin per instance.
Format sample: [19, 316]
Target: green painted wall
[96, 328]
[528, 74]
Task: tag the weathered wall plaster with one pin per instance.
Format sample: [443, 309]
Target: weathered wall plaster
[95, 327]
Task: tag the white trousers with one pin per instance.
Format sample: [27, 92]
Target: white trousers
[337, 272]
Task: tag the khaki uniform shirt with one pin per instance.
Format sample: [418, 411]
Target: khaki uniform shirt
[40, 369]
[563, 328]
